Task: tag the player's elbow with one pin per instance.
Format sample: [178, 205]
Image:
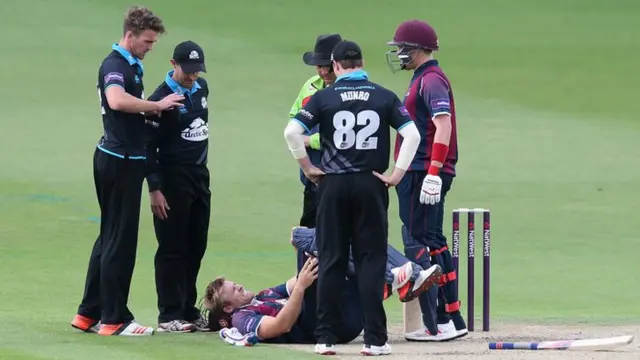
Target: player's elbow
[114, 96]
[292, 132]
[410, 134]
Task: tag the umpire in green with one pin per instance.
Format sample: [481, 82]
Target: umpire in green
[179, 192]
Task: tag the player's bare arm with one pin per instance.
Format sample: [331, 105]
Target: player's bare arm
[272, 327]
[120, 100]
[443, 133]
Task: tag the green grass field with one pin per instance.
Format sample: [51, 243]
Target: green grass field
[548, 125]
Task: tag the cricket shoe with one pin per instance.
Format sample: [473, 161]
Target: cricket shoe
[325, 349]
[201, 324]
[370, 350]
[131, 328]
[303, 238]
[401, 276]
[233, 337]
[425, 335]
[176, 326]
[86, 324]
[425, 281]
[451, 327]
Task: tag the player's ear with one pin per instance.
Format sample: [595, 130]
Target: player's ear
[173, 63]
[228, 309]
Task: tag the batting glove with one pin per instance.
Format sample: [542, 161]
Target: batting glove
[431, 187]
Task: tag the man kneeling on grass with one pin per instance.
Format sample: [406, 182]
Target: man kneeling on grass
[286, 313]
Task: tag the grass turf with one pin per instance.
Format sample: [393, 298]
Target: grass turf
[548, 129]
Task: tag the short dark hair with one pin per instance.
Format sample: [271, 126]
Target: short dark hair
[351, 63]
[139, 18]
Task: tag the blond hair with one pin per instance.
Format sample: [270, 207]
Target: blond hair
[214, 301]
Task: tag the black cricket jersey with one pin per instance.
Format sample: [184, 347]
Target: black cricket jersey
[179, 136]
[354, 116]
[123, 132]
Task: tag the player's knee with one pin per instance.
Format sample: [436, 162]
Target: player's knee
[418, 254]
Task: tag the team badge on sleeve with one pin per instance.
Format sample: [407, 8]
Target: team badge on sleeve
[403, 110]
[113, 76]
[436, 104]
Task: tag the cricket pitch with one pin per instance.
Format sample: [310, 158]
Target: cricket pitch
[475, 345]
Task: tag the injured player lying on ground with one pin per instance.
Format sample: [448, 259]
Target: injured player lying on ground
[273, 315]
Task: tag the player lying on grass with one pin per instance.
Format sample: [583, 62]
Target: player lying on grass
[286, 313]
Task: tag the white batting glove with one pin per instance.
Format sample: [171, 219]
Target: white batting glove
[431, 187]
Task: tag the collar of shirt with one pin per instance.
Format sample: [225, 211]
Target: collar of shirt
[356, 75]
[420, 69]
[177, 88]
[127, 55]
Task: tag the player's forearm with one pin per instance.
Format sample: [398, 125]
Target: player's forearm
[410, 142]
[441, 141]
[288, 316]
[122, 101]
[443, 129]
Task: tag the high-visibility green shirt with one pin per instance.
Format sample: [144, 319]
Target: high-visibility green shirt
[309, 88]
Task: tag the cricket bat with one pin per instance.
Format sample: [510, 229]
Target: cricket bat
[583, 344]
[411, 316]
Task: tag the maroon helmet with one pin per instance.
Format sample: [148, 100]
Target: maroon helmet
[411, 35]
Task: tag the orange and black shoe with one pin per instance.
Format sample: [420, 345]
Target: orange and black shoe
[86, 324]
[425, 281]
[126, 329]
[388, 291]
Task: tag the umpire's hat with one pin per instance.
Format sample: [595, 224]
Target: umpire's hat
[321, 54]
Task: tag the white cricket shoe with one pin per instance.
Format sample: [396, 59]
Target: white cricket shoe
[127, 329]
[425, 335]
[176, 326]
[370, 350]
[451, 327]
[401, 276]
[325, 349]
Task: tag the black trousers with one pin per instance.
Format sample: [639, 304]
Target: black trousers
[118, 184]
[352, 213]
[182, 240]
[309, 206]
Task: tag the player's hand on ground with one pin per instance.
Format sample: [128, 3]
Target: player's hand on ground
[159, 205]
[431, 188]
[170, 101]
[309, 273]
[314, 174]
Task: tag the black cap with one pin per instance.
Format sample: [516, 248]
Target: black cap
[190, 57]
[321, 54]
[346, 50]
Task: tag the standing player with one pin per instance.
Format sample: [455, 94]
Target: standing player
[179, 189]
[421, 193]
[354, 116]
[321, 59]
[119, 170]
